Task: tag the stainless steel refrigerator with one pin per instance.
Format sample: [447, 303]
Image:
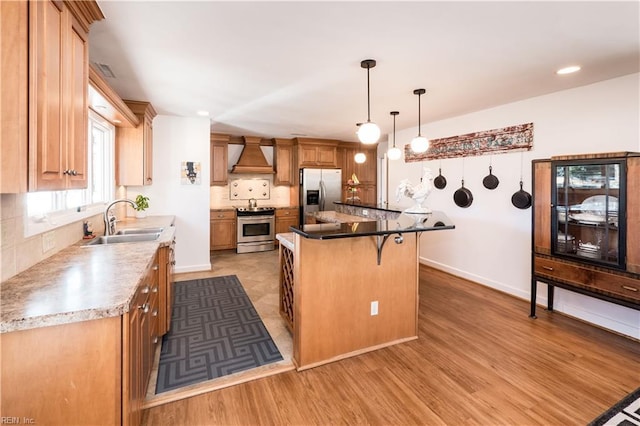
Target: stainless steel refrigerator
[319, 188]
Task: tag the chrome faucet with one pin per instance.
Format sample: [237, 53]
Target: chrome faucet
[110, 220]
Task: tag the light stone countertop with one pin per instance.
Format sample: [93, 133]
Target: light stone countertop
[331, 216]
[286, 239]
[81, 283]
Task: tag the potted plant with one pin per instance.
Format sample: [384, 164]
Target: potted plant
[142, 203]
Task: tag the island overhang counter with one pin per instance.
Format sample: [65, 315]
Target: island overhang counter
[352, 287]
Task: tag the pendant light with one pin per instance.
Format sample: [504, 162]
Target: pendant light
[394, 153]
[419, 143]
[369, 132]
[360, 156]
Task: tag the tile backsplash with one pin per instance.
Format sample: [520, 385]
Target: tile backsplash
[19, 253]
[245, 189]
[247, 186]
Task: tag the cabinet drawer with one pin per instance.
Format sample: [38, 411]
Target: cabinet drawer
[287, 212]
[592, 279]
[222, 214]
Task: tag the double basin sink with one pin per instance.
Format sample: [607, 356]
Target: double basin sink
[131, 235]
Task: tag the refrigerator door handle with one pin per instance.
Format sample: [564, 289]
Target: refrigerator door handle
[323, 195]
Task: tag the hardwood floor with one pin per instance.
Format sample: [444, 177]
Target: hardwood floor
[479, 360]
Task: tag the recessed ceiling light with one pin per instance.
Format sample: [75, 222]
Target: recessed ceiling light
[203, 113]
[568, 70]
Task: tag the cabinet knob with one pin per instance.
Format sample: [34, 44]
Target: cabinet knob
[145, 289]
[149, 179]
[155, 267]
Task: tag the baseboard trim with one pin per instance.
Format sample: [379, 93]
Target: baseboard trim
[193, 268]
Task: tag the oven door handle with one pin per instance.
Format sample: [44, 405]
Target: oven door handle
[323, 194]
[251, 219]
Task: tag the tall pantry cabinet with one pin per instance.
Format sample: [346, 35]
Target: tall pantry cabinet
[45, 73]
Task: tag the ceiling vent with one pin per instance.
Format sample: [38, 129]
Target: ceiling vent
[252, 159]
[105, 70]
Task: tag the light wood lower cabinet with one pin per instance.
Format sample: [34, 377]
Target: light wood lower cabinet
[222, 230]
[88, 372]
[285, 218]
[64, 374]
[166, 261]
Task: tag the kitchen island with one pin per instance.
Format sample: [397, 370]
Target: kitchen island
[352, 287]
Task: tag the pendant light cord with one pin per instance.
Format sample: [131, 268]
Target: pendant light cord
[419, 134]
[368, 98]
[394, 131]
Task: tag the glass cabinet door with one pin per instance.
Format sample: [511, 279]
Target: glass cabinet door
[587, 196]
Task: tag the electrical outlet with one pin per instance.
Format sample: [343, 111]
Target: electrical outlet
[374, 308]
[365, 212]
[48, 241]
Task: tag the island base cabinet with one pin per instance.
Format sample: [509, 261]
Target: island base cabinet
[336, 283]
[65, 375]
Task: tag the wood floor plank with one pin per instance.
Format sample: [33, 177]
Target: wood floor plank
[479, 360]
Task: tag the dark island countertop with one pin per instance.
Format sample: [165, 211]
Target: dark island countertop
[403, 223]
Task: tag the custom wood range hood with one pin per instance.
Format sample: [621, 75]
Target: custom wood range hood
[252, 160]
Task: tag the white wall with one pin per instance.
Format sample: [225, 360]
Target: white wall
[178, 139]
[492, 240]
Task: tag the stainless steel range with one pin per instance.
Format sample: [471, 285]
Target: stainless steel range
[256, 229]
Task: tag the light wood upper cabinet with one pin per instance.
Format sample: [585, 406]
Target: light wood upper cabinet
[284, 161]
[44, 94]
[134, 147]
[59, 74]
[219, 159]
[317, 153]
[14, 89]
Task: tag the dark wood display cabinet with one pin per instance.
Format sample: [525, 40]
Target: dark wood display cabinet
[586, 227]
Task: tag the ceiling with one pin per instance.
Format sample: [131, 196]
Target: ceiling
[287, 69]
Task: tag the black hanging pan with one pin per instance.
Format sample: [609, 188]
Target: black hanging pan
[440, 181]
[490, 181]
[521, 199]
[463, 197]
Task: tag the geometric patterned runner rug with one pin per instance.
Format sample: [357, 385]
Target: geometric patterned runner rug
[625, 413]
[215, 331]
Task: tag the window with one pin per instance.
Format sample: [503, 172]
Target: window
[50, 209]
